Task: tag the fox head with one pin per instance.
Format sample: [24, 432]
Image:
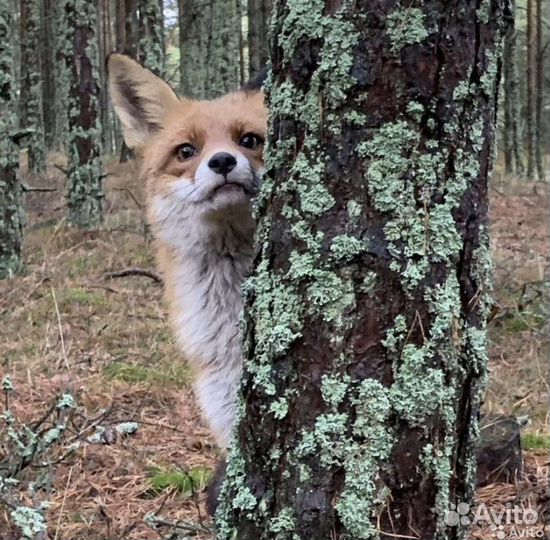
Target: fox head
[201, 159]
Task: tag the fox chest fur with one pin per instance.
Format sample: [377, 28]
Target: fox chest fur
[203, 289]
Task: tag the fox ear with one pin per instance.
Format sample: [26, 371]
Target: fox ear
[140, 98]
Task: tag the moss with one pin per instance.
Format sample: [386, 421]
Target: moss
[406, 26]
[175, 480]
[176, 375]
[535, 441]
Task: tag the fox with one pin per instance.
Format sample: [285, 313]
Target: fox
[202, 164]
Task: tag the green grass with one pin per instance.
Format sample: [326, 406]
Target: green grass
[174, 375]
[535, 441]
[184, 482]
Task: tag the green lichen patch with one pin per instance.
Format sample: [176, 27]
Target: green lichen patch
[406, 26]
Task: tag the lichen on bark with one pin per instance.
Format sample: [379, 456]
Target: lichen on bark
[31, 86]
[85, 176]
[11, 193]
[365, 355]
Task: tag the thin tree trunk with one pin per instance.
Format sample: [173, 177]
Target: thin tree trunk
[31, 84]
[11, 194]
[539, 94]
[103, 50]
[365, 317]
[48, 72]
[258, 25]
[120, 23]
[85, 194]
[209, 47]
[515, 97]
[508, 83]
[530, 70]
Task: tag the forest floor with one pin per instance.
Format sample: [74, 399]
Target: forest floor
[65, 327]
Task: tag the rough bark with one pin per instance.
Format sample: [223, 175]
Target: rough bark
[209, 47]
[365, 320]
[11, 194]
[31, 84]
[85, 194]
[259, 12]
[150, 44]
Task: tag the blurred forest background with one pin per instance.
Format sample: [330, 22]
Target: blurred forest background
[97, 413]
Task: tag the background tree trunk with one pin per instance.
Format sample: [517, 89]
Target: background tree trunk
[508, 105]
[47, 51]
[530, 71]
[209, 47]
[63, 48]
[105, 46]
[151, 45]
[259, 12]
[11, 194]
[31, 84]
[539, 94]
[365, 320]
[85, 194]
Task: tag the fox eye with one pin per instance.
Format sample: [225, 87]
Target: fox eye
[185, 151]
[251, 141]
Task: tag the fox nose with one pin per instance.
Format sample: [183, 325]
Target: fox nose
[222, 163]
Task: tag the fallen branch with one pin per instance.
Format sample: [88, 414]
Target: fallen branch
[30, 189]
[151, 274]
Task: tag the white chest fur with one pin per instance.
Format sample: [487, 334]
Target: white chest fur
[204, 272]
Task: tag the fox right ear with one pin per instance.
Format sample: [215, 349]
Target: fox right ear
[140, 98]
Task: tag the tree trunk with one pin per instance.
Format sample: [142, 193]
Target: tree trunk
[258, 25]
[515, 97]
[85, 194]
[104, 47]
[48, 72]
[31, 84]
[131, 28]
[11, 194]
[209, 47]
[365, 320]
[150, 44]
[63, 49]
[508, 105]
[530, 70]
[539, 95]
[120, 25]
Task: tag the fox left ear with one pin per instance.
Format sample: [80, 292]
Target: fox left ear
[140, 98]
